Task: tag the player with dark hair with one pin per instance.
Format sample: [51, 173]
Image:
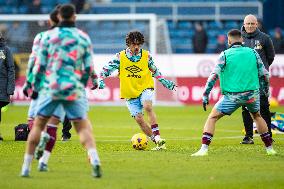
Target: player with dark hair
[136, 69]
[66, 57]
[238, 89]
[48, 137]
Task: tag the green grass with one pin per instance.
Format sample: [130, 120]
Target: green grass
[229, 164]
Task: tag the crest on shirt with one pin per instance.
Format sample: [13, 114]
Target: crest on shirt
[257, 45]
[134, 70]
[2, 55]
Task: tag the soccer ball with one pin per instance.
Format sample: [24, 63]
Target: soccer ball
[139, 141]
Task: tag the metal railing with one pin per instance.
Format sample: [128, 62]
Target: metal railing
[188, 11]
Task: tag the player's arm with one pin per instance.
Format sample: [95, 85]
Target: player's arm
[109, 69]
[40, 67]
[89, 70]
[31, 63]
[214, 75]
[158, 75]
[263, 75]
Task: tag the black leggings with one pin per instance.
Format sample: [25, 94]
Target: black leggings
[2, 104]
[265, 114]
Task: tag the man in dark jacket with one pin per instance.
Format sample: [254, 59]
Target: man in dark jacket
[199, 39]
[262, 43]
[7, 75]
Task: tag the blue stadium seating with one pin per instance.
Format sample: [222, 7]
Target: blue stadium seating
[112, 34]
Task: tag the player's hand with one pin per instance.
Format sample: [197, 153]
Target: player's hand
[10, 98]
[205, 102]
[26, 88]
[34, 95]
[101, 84]
[95, 85]
[168, 84]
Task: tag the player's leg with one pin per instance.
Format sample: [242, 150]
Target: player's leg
[264, 133]
[32, 113]
[33, 140]
[248, 124]
[135, 108]
[261, 125]
[223, 107]
[45, 108]
[66, 135]
[76, 111]
[45, 146]
[265, 112]
[146, 100]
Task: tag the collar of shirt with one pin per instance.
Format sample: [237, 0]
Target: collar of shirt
[66, 23]
[237, 44]
[132, 57]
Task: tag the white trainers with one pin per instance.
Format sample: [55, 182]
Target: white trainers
[25, 172]
[200, 153]
[271, 152]
[161, 145]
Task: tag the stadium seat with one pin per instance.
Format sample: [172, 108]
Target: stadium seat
[2, 2]
[196, 10]
[185, 24]
[62, 1]
[160, 10]
[22, 9]
[231, 24]
[110, 10]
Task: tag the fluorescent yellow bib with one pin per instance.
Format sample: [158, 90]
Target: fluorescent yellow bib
[134, 76]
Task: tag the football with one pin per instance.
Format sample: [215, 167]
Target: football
[139, 141]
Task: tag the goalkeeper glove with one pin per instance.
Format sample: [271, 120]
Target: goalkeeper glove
[168, 84]
[205, 102]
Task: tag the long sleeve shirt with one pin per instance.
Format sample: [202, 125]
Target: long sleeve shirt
[66, 62]
[32, 58]
[262, 74]
[115, 63]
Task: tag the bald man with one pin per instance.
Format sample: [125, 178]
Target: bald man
[261, 42]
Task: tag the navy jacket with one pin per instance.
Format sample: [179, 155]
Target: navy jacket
[262, 43]
[7, 72]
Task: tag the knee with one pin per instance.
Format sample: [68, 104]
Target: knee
[213, 117]
[54, 120]
[256, 115]
[148, 107]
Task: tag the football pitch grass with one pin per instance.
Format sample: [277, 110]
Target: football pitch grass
[228, 165]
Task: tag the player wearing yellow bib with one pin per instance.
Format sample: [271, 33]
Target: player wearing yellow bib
[136, 71]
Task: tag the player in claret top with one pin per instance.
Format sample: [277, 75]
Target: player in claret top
[136, 69]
